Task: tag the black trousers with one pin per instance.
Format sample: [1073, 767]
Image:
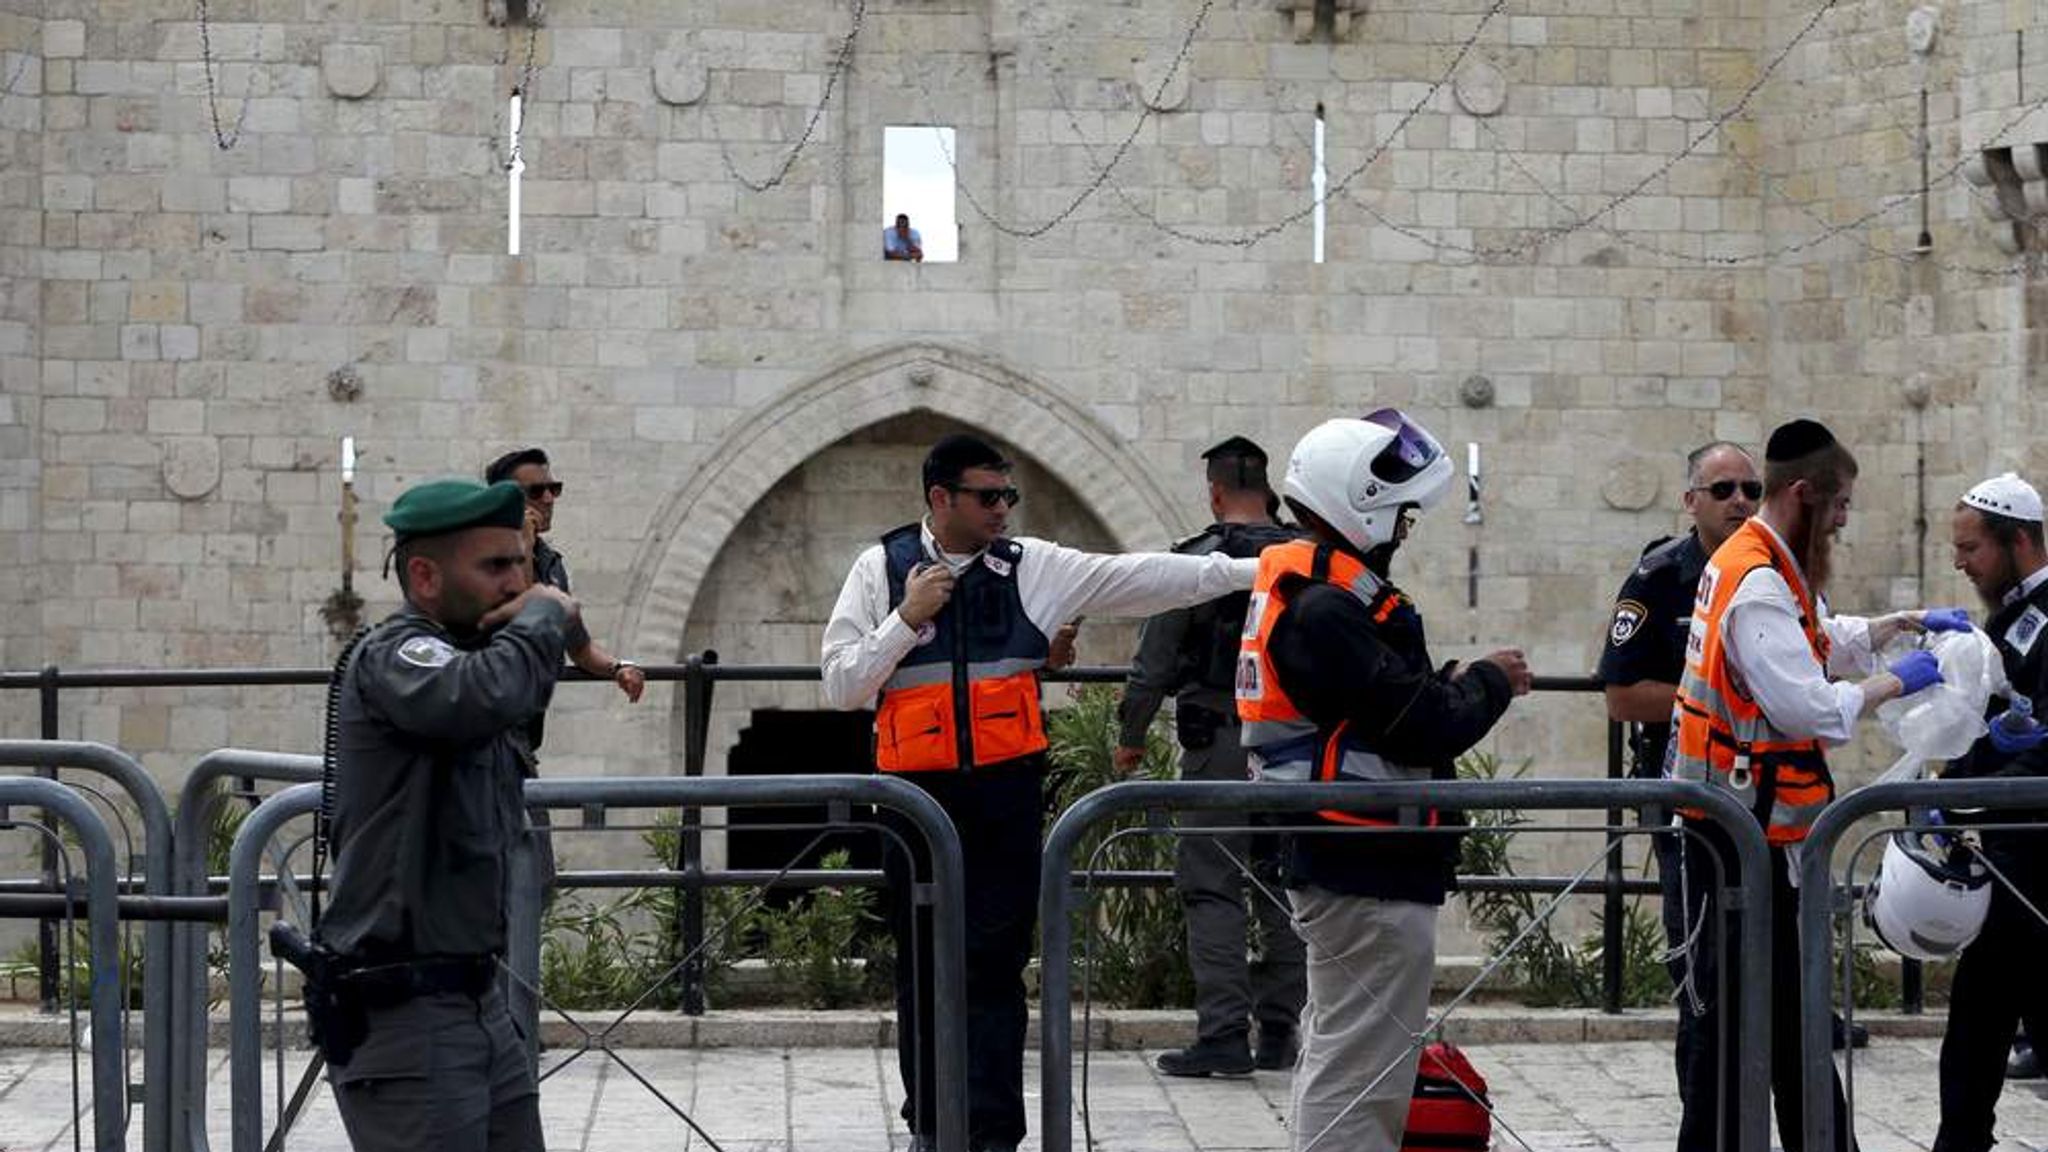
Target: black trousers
[1708, 1036]
[1997, 986]
[1231, 988]
[999, 813]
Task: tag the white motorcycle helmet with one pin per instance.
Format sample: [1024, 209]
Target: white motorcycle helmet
[1358, 475]
[1928, 900]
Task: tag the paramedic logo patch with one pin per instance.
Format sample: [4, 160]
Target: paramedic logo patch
[1250, 685]
[1628, 616]
[926, 633]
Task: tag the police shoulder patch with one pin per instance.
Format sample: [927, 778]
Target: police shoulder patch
[1628, 616]
[426, 652]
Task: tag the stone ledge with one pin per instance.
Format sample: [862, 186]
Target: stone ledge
[21, 1026]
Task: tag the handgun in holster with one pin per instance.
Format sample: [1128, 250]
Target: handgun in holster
[336, 1019]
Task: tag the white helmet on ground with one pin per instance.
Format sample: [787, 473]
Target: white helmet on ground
[1358, 475]
[1928, 901]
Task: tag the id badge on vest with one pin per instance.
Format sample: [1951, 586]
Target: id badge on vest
[2025, 630]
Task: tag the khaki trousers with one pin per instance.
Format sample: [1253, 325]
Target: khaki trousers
[1369, 967]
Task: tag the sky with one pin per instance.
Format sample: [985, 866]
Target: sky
[918, 179]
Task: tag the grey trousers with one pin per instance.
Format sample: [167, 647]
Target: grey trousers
[1232, 988]
[446, 1073]
[1369, 968]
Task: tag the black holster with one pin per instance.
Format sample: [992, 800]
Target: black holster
[1197, 726]
[337, 1020]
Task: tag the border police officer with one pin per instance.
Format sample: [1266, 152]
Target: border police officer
[433, 715]
[1191, 654]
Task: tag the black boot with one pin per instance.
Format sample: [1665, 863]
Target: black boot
[1849, 1036]
[1208, 1058]
[2024, 1064]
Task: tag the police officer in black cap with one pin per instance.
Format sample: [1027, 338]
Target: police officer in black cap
[1191, 654]
[433, 713]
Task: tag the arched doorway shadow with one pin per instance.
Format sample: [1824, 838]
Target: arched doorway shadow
[695, 522]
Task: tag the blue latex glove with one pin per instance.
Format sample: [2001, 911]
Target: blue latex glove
[1916, 670]
[2010, 743]
[1945, 620]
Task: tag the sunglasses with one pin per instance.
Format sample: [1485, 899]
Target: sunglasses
[989, 497]
[1725, 489]
[536, 491]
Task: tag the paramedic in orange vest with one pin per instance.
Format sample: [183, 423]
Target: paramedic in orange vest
[947, 621]
[1335, 682]
[1757, 703]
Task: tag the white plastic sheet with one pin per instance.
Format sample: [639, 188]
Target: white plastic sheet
[1940, 723]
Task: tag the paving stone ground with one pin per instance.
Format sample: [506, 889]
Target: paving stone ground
[1550, 1098]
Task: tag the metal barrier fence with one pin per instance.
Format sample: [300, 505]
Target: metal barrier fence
[946, 894]
[142, 791]
[1751, 901]
[699, 674]
[198, 800]
[103, 936]
[1820, 898]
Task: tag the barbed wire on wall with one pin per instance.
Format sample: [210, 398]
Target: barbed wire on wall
[529, 71]
[222, 138]
[835, 72]
[1103, 173]
[1576, 220]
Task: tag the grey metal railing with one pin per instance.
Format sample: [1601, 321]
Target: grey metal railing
[947, 894]
[103, 949]
[1820, 898]
[1751, 903]
[148, 799]
[198, 800]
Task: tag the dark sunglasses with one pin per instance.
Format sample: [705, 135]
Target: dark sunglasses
[536, 491]
[989, 497]
[1724, 489]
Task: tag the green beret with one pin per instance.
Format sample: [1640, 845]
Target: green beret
[441, 506]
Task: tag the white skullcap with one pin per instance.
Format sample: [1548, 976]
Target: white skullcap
[2008, 496]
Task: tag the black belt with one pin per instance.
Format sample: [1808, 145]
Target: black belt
[387, 984]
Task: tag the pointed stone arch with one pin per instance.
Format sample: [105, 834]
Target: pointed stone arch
[695, 521]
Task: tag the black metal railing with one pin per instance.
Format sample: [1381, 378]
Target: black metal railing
[699, 674]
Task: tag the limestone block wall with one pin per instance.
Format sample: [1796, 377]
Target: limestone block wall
[1605, 218]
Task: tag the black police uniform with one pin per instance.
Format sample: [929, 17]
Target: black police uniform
[430, 754]
[1191, 654]
[1646, 634]
[1997, 984]
[1646, 641]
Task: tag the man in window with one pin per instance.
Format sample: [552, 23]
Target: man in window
[902, 242]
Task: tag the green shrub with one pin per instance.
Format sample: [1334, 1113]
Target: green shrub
[1134, 940]
[1550, 972]
[813, 945]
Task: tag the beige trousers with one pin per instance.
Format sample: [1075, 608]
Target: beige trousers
[1369, 968]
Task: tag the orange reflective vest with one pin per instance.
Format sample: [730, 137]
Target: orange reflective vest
[1722, 737]
[1284, 745]
[967, 695]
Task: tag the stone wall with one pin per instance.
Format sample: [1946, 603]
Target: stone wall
[1595, 221]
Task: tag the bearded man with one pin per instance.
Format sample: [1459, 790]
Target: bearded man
[1757, 705]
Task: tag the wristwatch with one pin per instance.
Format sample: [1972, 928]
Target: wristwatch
[619, 666]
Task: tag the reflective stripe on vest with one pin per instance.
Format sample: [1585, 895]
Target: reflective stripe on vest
[967, 694]
[1285, 746]
[1721, 737]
